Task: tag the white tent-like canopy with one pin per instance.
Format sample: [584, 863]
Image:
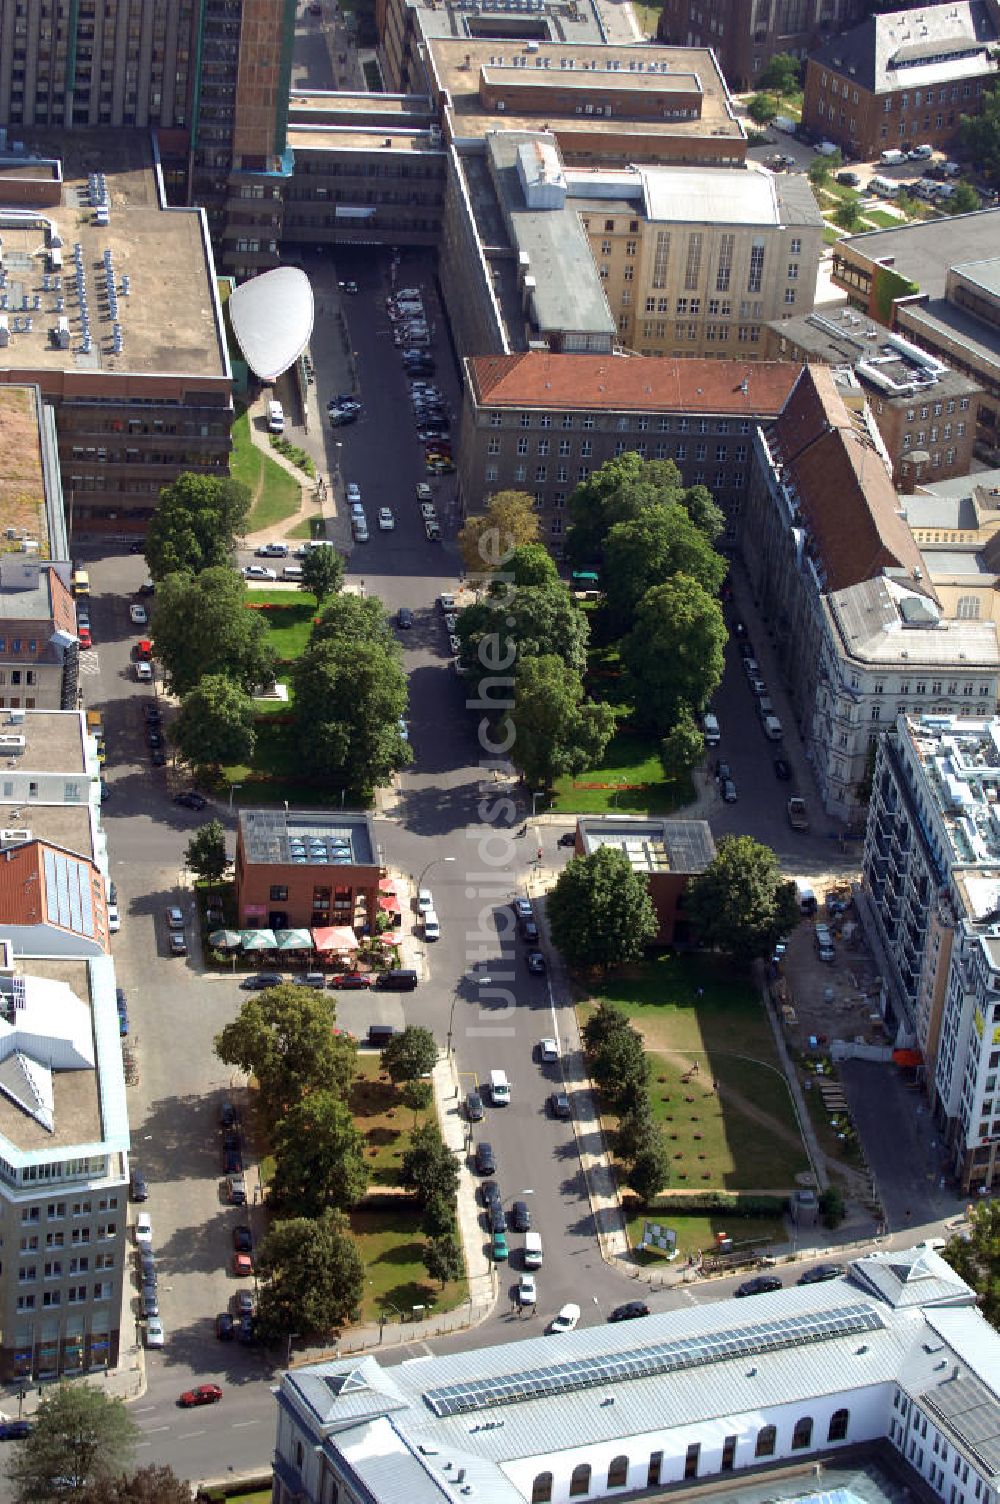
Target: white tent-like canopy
[272, 319]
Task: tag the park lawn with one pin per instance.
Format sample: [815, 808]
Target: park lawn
[743, 1136]
[259, 1496]
[390, 1244]
[831, 235]
[289, 628]
[648, 17]
[276, 771]
[840, 191]
[309, 527]
[274, 493]
[629, 759]
[384, 1121]
[883, 219]
[697, 1233]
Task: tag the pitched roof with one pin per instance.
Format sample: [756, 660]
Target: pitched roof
[844, 491]
[544, 378]
[928, 44]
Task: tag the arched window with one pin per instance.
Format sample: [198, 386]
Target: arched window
[618, 1472]
[541, 1489]
[803, 1433]
[579, 1484]
[838, 1425]
[766, 1438]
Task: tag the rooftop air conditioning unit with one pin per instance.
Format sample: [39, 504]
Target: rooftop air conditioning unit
[14, 838]
[11, 744]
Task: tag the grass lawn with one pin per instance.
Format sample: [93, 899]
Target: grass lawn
[840, 191]
[648, 17]
[629, 759]
[275, 494]
[305, 529]
[740, 1134]
[390, 1243]
[883, 219]
[260, 1496]
[831, 235]
[288, 629]
[384, 1121]
[276, 772]
[697, 1233]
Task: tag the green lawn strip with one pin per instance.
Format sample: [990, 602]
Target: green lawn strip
[390, 1244]
[725, 1030]
[276, 771]
[245, 461]
[883, 219]
[283, 598]
[276, 494]
[630, 758]
[261, 1496]
[697, 1233]
[384, 1121]
[831, 235]
[648, 17]
[289, 627]
[304, 529]
[274, 707]
[839, 191]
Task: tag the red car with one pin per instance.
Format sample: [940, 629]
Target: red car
[204, 1394]
[83, 633]
[353, 979]
[242, 1263]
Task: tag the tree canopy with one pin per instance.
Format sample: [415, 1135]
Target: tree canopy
[284, 1036]
[557, 730]
[600, 913]
[429, 1167]
[202, 625]
[976, 1257]
[487, 540]
[741, 904]
[649, 549]
[620, 491]
[215, 724]
[529, 564]
[683, 746]
[410, 1054]
[981, 136]
[531, 621]
[148, 1485]
[79, 1436]
[311, 1277]
[761, 108]
[442, 1258]
[322, 572]
[319, 1157]
[783, 74]
[350, 699]
[196, 523]
[206, 852]
[674, 653]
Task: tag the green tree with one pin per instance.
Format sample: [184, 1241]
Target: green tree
[322, 572]
[202, 626]
[530, 564]
[822, 166]
[350, 701]
[783, 74]
[615, 493]
[149, 1485]
[206, 852]
[438, 1220]
[674, 653]
[488, 539]
[762, 108]
[429, 1167]
[635, 1127]
[410, 1054]
[620, 1068]
[417, 1096]
[284, 1036]
[648, 550]
[683, 747]
[78, 1437]
[556, 729]
[981, 136]
[974, 1253]
[196, 524]
[442, 1258]
[704, 511]
[352, 618]
[649, 1172]
[319, 1157]
[848, 216]
[741, 904]
[965, 200]
[311, 1277]
[215, 723]
[603, 1024]
[600, 913]
[831, 1207]
[531, 621]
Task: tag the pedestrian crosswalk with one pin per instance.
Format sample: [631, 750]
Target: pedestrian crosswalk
[89, 662]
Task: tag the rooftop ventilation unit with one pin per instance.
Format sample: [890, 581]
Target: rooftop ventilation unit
[11, 744]
[10, 838]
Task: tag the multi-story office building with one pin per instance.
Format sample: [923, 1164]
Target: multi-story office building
[858, 630]
[112, 311]
[930, 900]
[697, 263]
[541, 423]
[903, 78]
[745, 34]
[39, 648]
[882, 1384]
[63, 1123]
[938, 284]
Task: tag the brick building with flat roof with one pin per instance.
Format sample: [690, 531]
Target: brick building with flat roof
[304, 868]
[667, 853]
[541, 422]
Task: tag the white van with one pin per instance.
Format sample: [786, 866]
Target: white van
[892, 157]
[784, 124]
[884, 187]
[772, 728]
[499, 1089]
[532, 1250]
[805, 896]
[292, 572]
[275, 418]
[710, 726]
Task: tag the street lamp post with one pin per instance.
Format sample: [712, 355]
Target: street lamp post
[537, 794]
[451, 1015]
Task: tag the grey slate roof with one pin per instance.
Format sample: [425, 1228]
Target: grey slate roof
[892, 51]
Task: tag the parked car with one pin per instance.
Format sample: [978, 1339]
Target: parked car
[261, 980]
[565, 1319]
[559, 1105]
[225, 1327]
[782, 770]
[535, 962]
[138, 615]
[568, 838]
[486, 1161]
[144, 1230]
[155, 1335]
[432, 926]
[474, 1109]
[404, 618]
[138, 1189]
[236, 1190]
[728, 791]
[386, 520]
[820, 1273]
[14, 1430]
[178, 944]
[500, 1248]
[315, 979]
[761, 1284]
[630, 1311]
[528, 931]
[353, 980]
[548, 1051]
[189, 799]
[242, 1264]
[489, 1193]
[243, 1238]
[259, 572]
[527, 1291]
[520, 1216]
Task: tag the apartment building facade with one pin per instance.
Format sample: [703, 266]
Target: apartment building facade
[696, 263]
[930, 899]
[39, 648]
[745, 34]
[542, 423]
[858, 630]
[903, 78]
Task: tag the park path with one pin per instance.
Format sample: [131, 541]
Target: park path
[730, 1094]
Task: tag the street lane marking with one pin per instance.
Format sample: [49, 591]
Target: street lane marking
[237, 1423]
[151, 1430]
[187, 1435]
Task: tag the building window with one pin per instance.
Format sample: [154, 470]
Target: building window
[541, 1489]
[729, 1454]
[661, 258]
[755, 278]
[522, 446]
[496, 420]
[968, 608]
[692, 267]
[725, 266]
[802, 1435]
[691, 1460]
[766, 1438]
[279, 893]
[838, 1425]
[618, 1472]
[579, 1483]
[654, 1470]
[789, 295]
[793, 271]
[795, 247]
